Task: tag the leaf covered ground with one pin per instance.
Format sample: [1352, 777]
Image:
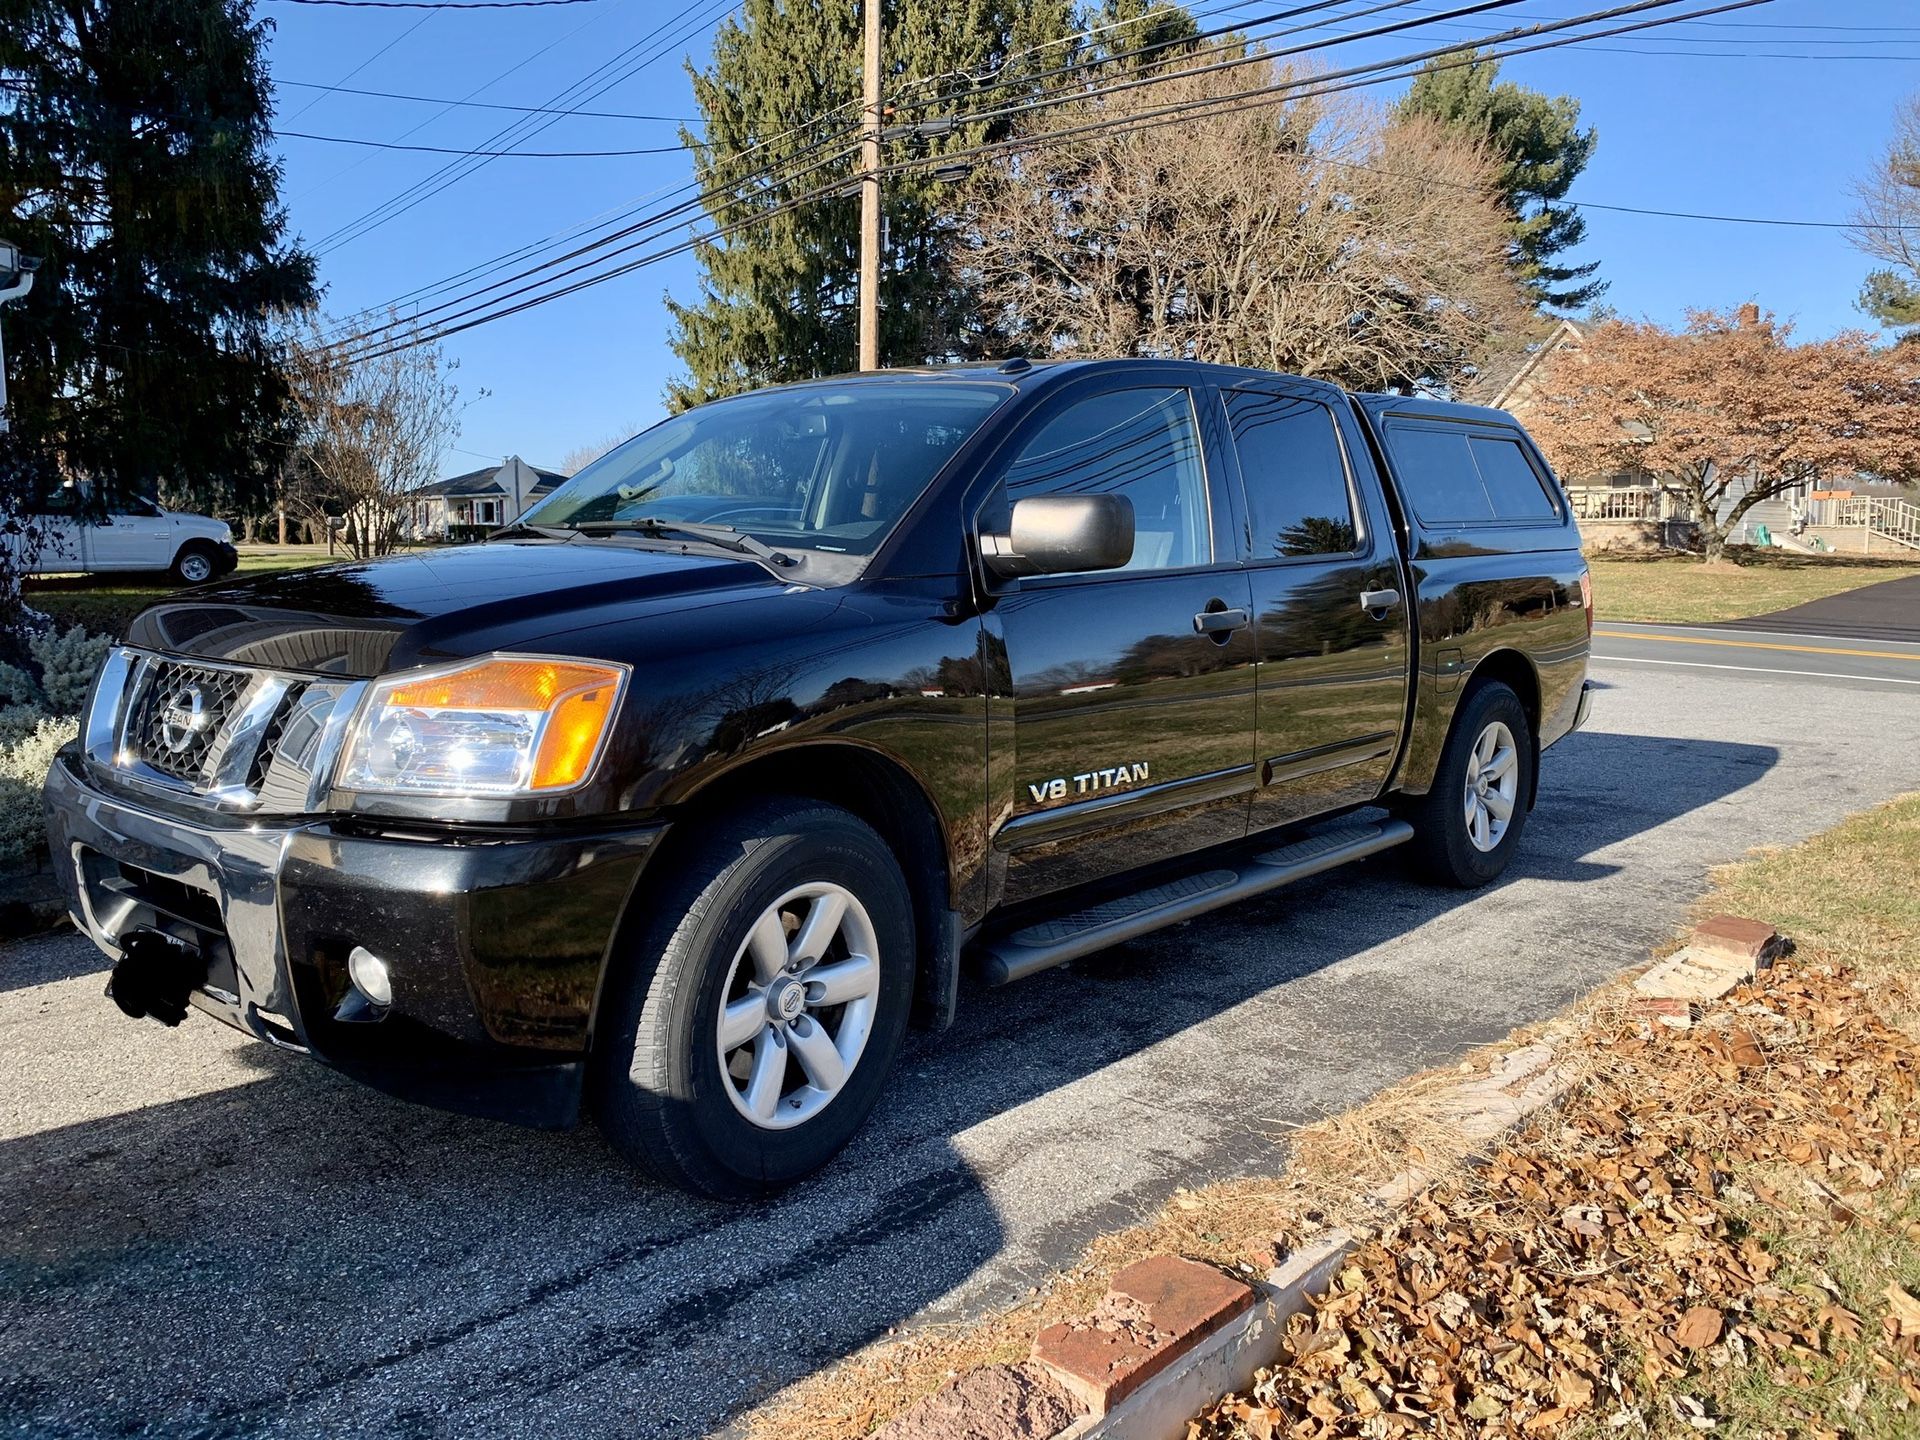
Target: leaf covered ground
[1719, 1233]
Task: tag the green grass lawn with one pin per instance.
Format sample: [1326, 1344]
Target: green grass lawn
[105, 603]
[1683, 590]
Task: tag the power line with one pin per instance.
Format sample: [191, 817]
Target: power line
[592, 19]
[623, 212]
[436, 4]
[1380, 72]
[485, 104]
[490, 154]
[428, 15]
[682, 23]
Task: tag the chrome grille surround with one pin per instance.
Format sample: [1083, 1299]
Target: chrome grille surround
[233, 737]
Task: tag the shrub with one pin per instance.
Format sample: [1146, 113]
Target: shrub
[17, 687]
[23, 769]
[68, 662]
[17, 722]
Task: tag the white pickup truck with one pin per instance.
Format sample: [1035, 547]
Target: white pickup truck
[129, 533]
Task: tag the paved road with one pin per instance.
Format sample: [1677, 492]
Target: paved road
[1781, 656]
[203, 1236]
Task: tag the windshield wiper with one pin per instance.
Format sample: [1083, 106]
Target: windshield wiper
[724, 536]
[521, 527]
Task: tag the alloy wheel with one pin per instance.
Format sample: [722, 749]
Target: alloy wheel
[1493, 786]
[798, 1005]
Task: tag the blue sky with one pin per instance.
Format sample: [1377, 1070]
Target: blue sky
[1769, 111]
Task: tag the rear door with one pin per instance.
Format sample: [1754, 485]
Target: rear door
[1133, 689]
[1331, 621]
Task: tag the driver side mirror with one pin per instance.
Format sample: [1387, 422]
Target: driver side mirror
[1062, 534]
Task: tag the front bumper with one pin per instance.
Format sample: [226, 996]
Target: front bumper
[229, 558]
[496, 942]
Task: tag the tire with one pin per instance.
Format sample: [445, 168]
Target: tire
[664, 1095]
[196, 564]
[1457, 842]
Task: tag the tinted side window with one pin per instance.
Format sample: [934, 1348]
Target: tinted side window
[1436, 470]
[1295, 474]
[1512, 483]
[1139, 443]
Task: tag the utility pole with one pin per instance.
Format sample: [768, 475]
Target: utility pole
[870, 190]
[16, 279]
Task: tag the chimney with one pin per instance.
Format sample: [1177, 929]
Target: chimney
[1749, 315]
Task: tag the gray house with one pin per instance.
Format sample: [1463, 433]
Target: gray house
[463, 506]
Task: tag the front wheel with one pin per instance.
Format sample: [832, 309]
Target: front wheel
[196, 564]
[1468, 824]
[751, 1028]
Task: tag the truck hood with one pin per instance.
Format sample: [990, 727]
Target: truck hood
[368, 617]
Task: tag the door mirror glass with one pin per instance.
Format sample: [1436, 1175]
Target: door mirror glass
[1063, 534]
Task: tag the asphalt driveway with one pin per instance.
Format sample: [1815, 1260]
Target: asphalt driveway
[203, 1236]
[1887, 611]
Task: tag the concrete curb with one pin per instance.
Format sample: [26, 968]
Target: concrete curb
[1187, 1345]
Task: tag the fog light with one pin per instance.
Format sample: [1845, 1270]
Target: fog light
[369, 975]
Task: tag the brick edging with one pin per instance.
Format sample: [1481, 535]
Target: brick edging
[1172, 1336]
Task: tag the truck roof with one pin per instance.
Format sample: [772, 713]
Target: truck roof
[1019, 371]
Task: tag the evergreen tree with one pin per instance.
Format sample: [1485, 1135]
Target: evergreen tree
[779, 298]
[134, 163]
[1542, 150]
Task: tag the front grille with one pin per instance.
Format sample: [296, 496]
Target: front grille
[263, 758]
[178, 713]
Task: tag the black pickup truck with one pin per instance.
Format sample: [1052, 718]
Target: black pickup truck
[683, 796]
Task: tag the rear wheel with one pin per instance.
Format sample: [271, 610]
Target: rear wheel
[753, 1025]
[1468, 824]
[196, 564]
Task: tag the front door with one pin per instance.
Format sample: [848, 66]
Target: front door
[1331, 621]
[133, 535]
[1133, 689]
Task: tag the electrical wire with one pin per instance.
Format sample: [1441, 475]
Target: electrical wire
[1383, 71]
[436, 4]
[489, 154]
[1081, 67]
[690, 18]
[483, 104]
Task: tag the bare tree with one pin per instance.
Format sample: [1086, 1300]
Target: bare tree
[372, 429]
[1309, 234]
[581, 456]
[1887, 224]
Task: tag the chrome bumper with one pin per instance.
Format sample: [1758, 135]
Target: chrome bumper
[236, 864]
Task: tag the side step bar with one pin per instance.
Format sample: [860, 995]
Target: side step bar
[1068, 937]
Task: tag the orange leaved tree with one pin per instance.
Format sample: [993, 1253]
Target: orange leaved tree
[1730, 411]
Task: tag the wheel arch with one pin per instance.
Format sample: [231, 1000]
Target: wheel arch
[1515, 670]
[886, 795]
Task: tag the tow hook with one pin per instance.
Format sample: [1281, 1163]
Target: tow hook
[154, 976]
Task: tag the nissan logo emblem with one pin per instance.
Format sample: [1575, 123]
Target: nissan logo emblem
[184, 717]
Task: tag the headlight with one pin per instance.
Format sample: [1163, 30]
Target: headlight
[506, 725]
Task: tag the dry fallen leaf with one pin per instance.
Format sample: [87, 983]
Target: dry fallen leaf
[1698, 1328]
[1906, 1310]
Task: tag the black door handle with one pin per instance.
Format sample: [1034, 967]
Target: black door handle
[1379, 601]
[1219, 622]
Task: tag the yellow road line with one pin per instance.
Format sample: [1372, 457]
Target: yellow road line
[1760, 645]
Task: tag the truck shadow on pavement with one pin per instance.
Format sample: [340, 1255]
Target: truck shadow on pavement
[290, 1251]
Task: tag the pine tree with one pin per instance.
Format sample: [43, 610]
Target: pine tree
[133, 135]
[1542, 151]
[778, 297]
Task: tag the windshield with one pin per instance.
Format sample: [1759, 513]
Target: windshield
[826, 468]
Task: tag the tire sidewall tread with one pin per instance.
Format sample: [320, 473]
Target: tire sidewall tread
[656, 1077]
[1442, 850]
